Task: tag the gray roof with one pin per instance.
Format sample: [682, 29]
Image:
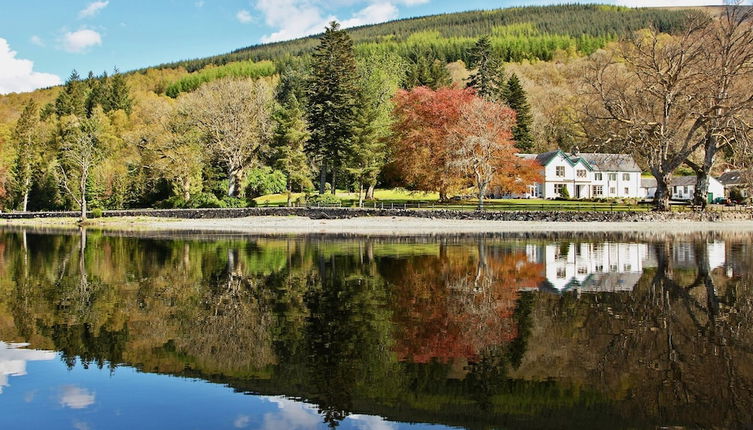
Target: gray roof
[677, 181]
[733, 177]
[543, 158]
[600, 162]
[611, 162]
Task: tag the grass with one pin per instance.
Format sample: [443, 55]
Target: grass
[398, 197]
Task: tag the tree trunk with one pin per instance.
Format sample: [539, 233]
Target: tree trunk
[370, 191]
[25, 202]
[334, 180]
[661, 198]
[82, 187]
[360, 194]
[442, 194]
[186, 185]
[323, 179]
[231, 184]
[700, 196]
[290, 197]
[481, 193]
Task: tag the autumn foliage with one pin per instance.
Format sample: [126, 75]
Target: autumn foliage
[449, 139]
[422, 154]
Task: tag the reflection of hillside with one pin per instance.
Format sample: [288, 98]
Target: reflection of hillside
[450, 333]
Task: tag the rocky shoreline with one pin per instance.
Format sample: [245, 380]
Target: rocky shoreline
[436, 214]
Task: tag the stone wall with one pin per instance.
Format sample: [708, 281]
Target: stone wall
[340, 213]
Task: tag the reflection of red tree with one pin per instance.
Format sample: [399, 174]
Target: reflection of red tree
[457, 304]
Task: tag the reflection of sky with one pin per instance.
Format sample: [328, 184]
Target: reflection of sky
[52, 396]
[13, 360]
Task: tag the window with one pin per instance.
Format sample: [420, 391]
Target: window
[582, 270]
[626, 176]
[612, 176]
[612, 267]
[599, 268]
[561, 273]
[561, 171]
[613, 191]
[627, 191]
[558, 188]
[627, 268]
[598, 190]
[581, 173]
[685, 189]
[598, 177]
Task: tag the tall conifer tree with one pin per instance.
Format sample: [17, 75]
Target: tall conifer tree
[333, 96]
[516, 98]
[488, 78]
[23, 166]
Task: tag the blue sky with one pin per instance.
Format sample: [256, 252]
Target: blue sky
[41, 41]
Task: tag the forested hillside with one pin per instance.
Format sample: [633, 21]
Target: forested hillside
[554, 27]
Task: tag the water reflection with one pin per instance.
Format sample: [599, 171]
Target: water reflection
[13, 359]
[641, 331]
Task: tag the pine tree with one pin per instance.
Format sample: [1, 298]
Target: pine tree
[72, 101]
[291, 135]
[515, 96]
[118, 95]
[24, 136]
[488, 79]
[332, 100]
[99, 87]
[425, 72]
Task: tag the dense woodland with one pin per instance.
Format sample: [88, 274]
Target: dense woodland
[436, 104]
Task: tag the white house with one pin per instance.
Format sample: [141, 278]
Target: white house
[682, 188]
[586, 175]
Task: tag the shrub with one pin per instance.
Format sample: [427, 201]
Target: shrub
[96, 213]
[323, 200]
[244, 69]
[205, 200]
[235, 202]
[263, 181]
[565, 193]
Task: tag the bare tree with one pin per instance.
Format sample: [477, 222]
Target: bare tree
[80, 152]
[235, 118]
[642, 99]
[484, 149]
[724, 90]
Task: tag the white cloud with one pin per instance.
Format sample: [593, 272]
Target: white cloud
[92, 9]
[81, 40]
[17, 75]
[297, 18]
[372, 14]
[75, 397]
[199, 3]
[243, 16]
[36, 40]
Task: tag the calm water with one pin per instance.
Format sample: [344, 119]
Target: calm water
[605, 331]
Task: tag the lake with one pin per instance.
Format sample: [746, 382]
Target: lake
[521, 331]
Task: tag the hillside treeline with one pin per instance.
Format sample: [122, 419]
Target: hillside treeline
[590, 24]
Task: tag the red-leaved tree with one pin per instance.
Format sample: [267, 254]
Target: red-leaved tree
[421, 148]
[482, 148]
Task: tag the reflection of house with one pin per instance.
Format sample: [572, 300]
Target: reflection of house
[682, 188]
[586, 175]
[591, 267]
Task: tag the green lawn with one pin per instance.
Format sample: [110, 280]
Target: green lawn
[397, 197]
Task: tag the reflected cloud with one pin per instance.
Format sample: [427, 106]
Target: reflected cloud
[75, 397]
[13, 358]
[242, 421]
[370, 422]
[291, 415]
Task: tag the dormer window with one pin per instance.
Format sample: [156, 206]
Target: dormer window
[598, 177]
[560, 171]
[581, 173]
